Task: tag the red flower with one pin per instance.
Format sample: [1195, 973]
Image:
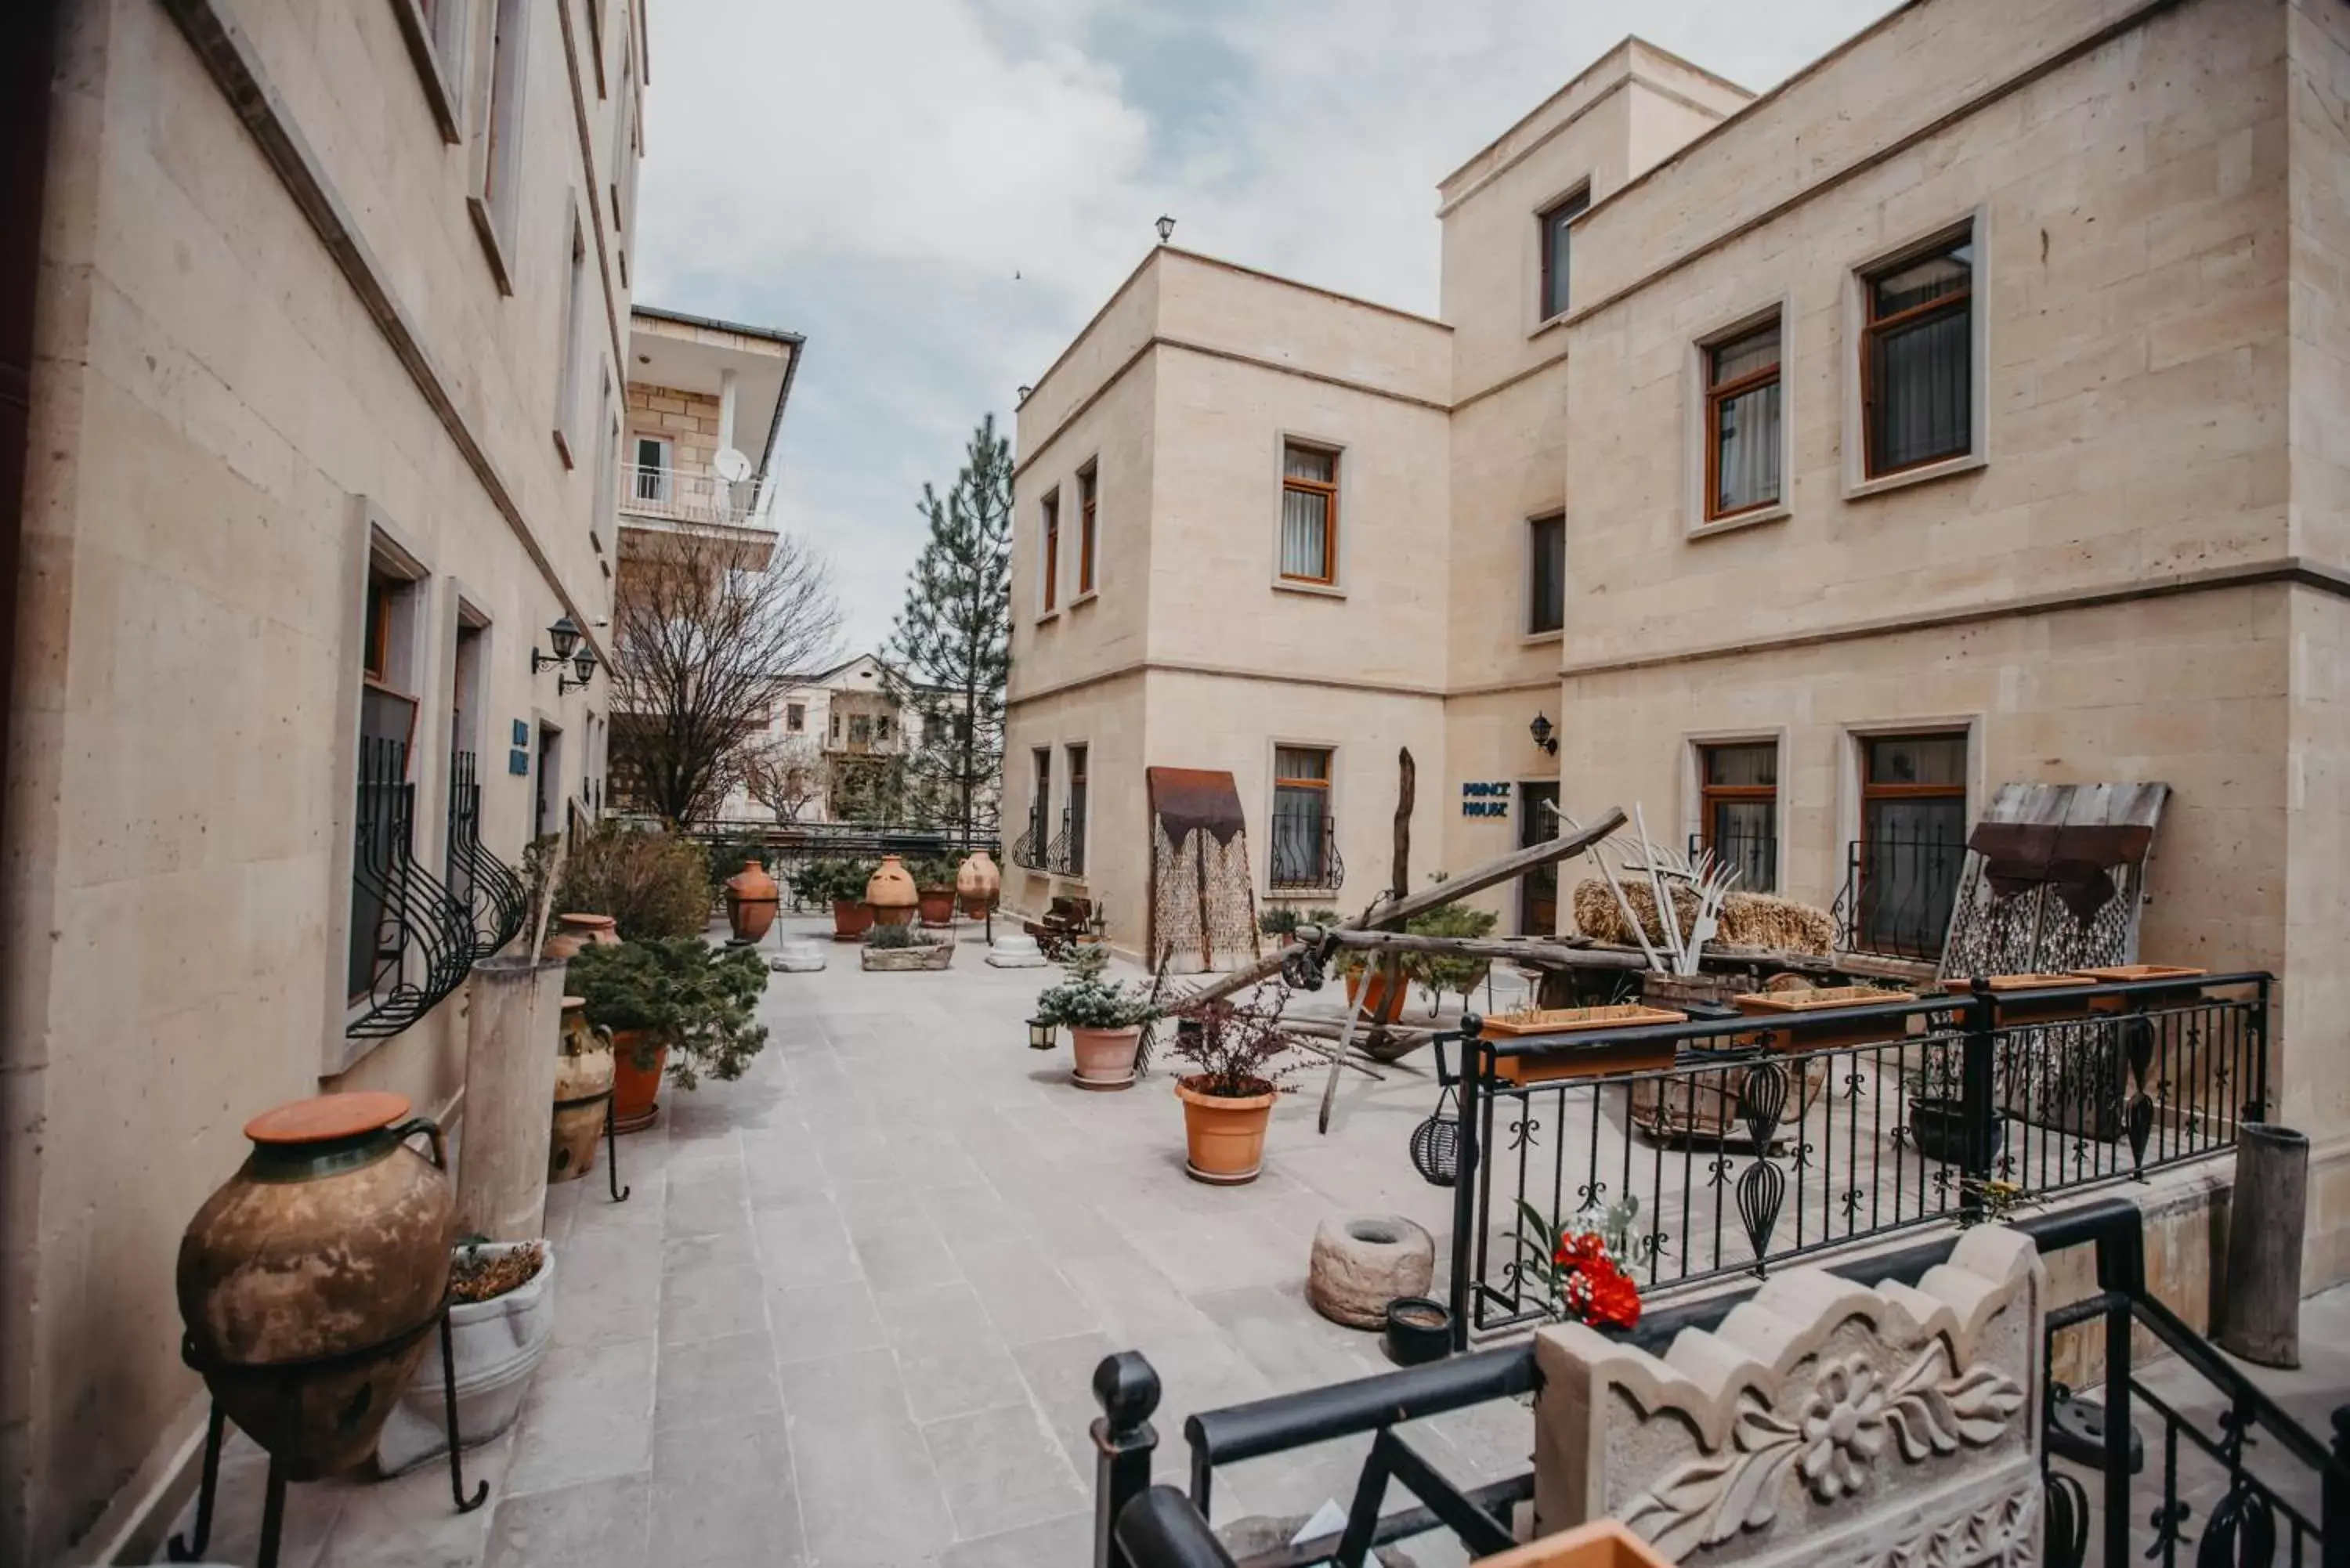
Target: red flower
[1582, 1251]
[1614, 1300]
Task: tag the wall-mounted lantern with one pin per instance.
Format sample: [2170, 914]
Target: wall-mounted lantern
[1544, 736]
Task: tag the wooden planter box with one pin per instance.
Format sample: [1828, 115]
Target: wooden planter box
[927, 955]
[2189, 985]
[2046, 1010]
[1807, 1021]
[1626, 1058]
[1602, 1543]
[1702, 1105]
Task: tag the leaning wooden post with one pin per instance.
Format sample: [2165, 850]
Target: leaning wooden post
[2261, 1299]
[1391, 965]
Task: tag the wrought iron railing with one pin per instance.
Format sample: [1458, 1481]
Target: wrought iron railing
[1754, 856]
[2297, 1500]
[1305, 853]
[483, 884]
[1028, 850]
[1766, 1142]
[787, 849]
[1897, 895]
[411, 944]
[1065, 855]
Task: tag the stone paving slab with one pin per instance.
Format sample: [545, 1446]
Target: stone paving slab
[850, 1312]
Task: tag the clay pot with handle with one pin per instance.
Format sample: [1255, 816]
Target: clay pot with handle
[752, 899]
[977, 882]
[311, 1281]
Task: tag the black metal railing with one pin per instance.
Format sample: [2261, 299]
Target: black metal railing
[1065, 857]
[1765, 1142]
[1754, 856]
[1304, 852]
[478, 881]
[785, 849]
[411, 944]
[2299, 1499]
[1899, 893]
[1028, 850]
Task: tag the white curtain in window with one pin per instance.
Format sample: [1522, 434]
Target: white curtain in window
[1305, 534]
[1746, 468]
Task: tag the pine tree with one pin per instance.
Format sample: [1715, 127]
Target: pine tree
[952, 646]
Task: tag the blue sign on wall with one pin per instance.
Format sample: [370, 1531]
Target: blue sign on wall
[1486, 797]
[518, 761]
[521, 734]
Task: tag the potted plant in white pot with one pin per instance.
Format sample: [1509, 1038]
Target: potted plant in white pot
[1104, 1019]
[500, 1322]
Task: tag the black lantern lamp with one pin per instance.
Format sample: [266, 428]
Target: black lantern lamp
[1436, 1142]
[1040, 1034]
[1166, 226]
[1543, 733]
[564, 637]
[583, 666]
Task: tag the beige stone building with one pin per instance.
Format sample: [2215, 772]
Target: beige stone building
[1962, 410]
[329, 319]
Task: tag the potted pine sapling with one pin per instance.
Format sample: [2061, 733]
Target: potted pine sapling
[1235, 1062]
[1104, 1019]
[1442, 972]
[676, 1003]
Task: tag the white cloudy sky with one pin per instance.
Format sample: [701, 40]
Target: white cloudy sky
[874, 173]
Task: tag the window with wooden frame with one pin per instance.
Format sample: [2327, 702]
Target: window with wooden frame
[1742, 434]
[1309, 514]
[1074, 819]
[1546, 576]
[1738, 810]
[1049, 593]
[1913, 833]
[1303, 836]
[1086, 535]
[1917, 359]
[1554, 230]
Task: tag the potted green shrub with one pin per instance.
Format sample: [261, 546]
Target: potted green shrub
[651, 883]
[934, 886]
[1104, 1019]
[841, 884]
[1237, 1059]
[675, 1003]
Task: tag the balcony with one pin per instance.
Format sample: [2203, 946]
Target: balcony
[1305, 854]
[689, 500]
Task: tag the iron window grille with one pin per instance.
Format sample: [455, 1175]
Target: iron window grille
[479, 883]
[1304, 852]
[411, 944]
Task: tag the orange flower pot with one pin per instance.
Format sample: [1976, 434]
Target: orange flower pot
[1629, 1058]
[636, 1091]
[1602, 1543]
[938, 906]
[1382, 1008]
[1223, 1135]
[850, 919]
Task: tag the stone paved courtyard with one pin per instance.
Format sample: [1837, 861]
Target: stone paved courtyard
[850, 1312]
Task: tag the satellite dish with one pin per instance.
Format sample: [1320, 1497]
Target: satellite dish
[732, 465]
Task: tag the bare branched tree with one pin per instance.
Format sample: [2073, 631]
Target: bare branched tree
[784, 774]
[705, 642]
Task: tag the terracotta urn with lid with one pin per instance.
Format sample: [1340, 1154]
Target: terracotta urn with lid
[977, 882]
[751, 902]
[890, 893]
[310, 1282]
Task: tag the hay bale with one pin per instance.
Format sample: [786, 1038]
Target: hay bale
[1748, 920]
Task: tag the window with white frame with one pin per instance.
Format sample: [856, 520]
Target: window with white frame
[434, 31]
[655, 480]
[566, 387]
[497, 156]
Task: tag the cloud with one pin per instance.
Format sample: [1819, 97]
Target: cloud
[875, 174]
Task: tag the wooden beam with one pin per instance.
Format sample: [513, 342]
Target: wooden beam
[1545, 955]
[1515, 864]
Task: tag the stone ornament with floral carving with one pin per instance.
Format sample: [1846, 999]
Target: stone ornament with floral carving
[1824, 1420]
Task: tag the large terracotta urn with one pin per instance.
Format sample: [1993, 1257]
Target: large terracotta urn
[891, 894]
[583, 1092]
[751, 902]
[637, 1064]
[575, 931]
[310, 1282]
[977, 882]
